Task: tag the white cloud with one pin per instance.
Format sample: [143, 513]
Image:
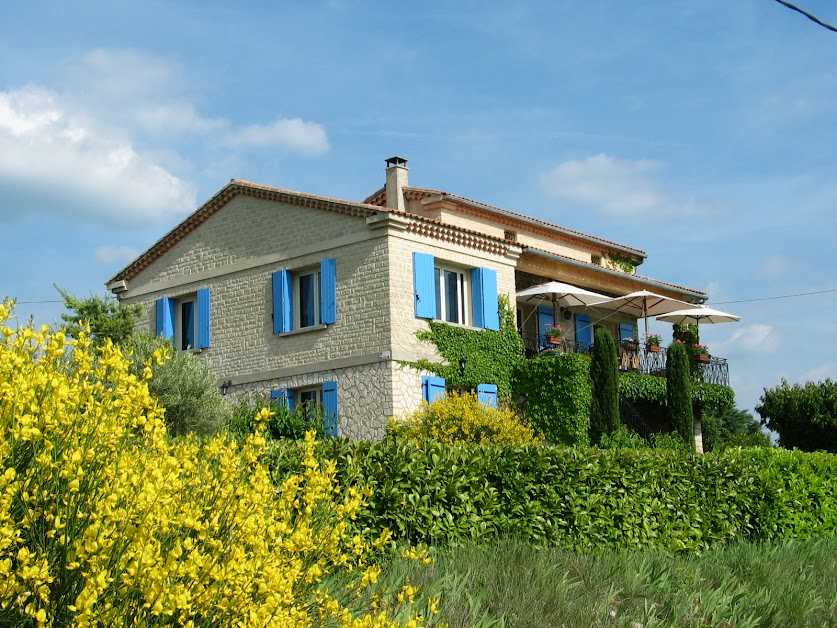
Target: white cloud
[613, 185]
[51, 160]
[106, 146]
[821, 372]
[109, 254]
[292, 134]
[756, 338]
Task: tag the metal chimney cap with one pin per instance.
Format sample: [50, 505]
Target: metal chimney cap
[396, 161]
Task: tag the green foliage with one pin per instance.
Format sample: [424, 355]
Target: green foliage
[731, 427]
[557, 395]
[283, 423]
[679, 393]
[803, 416]
[623, 438]
[604, 377]
[625, 264]
[490, 355]
[184, 386]
[639, 387]
[106, 316]
[587, 498]
[461, 419]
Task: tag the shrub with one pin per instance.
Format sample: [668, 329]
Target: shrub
[679, 392]
[803, 416]
[184, 385]
[283, 422]
[105, 521]
[557, 395]
[586, 499]
[604, 377]
[461, 418]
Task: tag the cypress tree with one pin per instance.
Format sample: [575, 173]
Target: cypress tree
[604, 375]
[679, 393]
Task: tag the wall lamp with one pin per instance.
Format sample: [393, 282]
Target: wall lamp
[225, 387]
[462, 364]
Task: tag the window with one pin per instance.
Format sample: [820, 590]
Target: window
[434, 387]
[455, 295]
[185, 320]
[305, 298]
[451, 299]
[324, 396]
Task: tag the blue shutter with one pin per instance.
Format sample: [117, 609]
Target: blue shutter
[330, 407]
[164, 318]
[487, 394]
[424, 284]
[626, 330]
[203, 318]
[282, 306]
[432, 388]
[286, 397]
[484, 296]
[328, 291]
[583, 332]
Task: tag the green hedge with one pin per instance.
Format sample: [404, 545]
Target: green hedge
[584, 498]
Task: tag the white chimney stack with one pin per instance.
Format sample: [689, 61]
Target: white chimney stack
[396, 182]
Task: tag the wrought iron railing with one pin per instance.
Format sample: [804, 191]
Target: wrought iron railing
[637, 359]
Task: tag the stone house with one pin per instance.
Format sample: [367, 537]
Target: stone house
[317, 299]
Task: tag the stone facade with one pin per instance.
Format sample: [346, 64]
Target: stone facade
[235, 243]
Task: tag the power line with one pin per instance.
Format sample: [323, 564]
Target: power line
[31, 302]
[808, 15]
[783, 296]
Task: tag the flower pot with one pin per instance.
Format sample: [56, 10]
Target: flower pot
[653, 348]
[702, 357]
[554, 340]
[629, 346]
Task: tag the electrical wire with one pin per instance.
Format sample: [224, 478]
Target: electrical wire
[808, 15]
[783, 296]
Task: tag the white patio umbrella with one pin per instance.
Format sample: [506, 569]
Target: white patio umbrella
[562, 293]
[698, 316]
[643, 304]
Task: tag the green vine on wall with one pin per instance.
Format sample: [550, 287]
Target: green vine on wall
[638, 387]
[625, 264]
[489, 355]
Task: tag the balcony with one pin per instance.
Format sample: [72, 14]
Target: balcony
[640, 360]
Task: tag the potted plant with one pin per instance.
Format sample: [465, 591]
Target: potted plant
[554, 335]
[701, 353]
[652, 342]
[629, 344]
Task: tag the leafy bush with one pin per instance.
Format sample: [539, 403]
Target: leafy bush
[803, 416]
[105, 521]
[184, 385]
[557, 395]
[586, 498]
[604, 377]
[679, 392]
[461, 418]
[283, 423]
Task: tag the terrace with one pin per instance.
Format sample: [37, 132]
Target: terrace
[636, 358]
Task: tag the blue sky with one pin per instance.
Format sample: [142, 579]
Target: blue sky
[702, 131]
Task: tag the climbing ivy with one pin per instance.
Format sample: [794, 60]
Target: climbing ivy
[558, 393]
[638, 387]
[489, 356]
[625, 264]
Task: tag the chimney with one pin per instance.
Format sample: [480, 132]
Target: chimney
[396, 182]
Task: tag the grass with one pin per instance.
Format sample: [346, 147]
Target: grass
[512, 583]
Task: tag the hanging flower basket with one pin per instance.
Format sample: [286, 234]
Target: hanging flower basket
[629, 345]
[653, 348]
[702, 357]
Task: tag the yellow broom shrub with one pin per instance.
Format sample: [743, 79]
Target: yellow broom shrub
[106, 521]
[461, 418]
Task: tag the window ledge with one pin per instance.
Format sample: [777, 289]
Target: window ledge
[471, 327]
[304, 330]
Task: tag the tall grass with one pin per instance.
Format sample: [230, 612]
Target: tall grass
[511, 583]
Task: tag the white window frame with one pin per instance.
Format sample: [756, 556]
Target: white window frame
[297, 296]
[464, 293]
[178, 320]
